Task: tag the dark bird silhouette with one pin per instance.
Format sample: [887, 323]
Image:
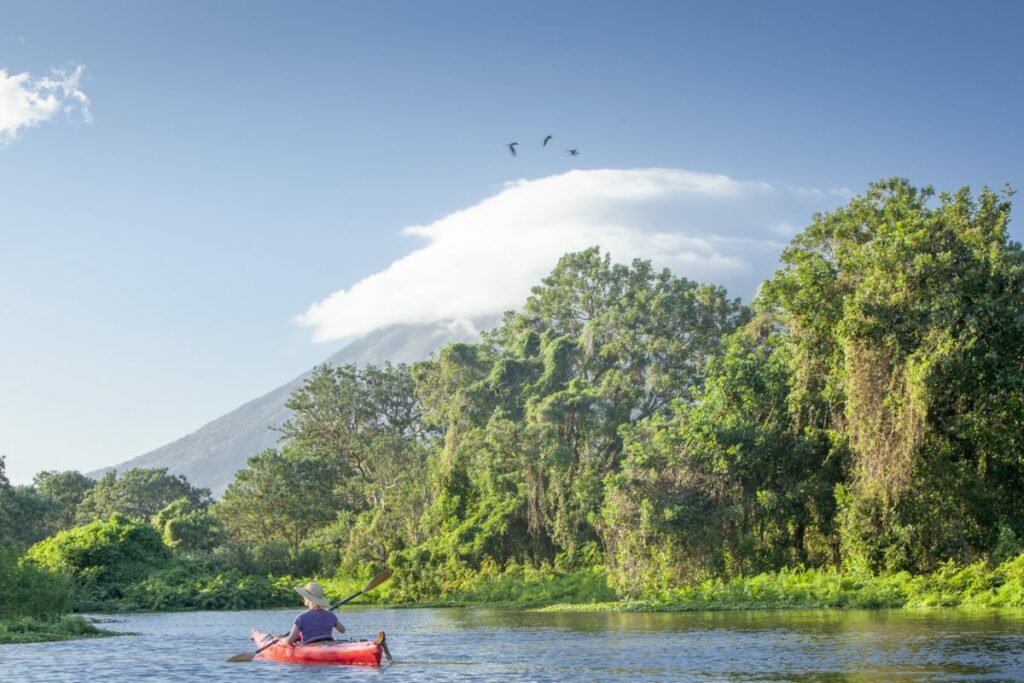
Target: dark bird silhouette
[512, 147]
[573, 152]
[546, 141]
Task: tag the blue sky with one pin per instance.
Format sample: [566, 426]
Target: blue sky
[244, 161]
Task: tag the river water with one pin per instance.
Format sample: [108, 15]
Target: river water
[510, 645]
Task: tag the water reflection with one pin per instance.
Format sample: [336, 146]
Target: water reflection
[485, 644]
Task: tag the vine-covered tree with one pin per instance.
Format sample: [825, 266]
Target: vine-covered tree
[105, 556]
[532, 418]
[726, 484]
[904, 315]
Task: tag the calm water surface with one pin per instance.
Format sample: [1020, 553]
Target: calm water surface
[505, 645]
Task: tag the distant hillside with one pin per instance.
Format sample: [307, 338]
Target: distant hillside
[211, 455]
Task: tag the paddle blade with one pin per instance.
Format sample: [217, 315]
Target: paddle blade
[378, 580]
[383, 642]
[243, 657]
[249, 656]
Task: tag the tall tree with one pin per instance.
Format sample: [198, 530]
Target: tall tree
[280, 496]
[25, 514]
[67, 489]
[139, 493]
[726, 484]
[904, 314]
[363, 425]
[532, 418]
[29, 516]
[185, 527]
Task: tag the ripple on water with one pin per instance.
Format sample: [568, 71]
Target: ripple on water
[508, 645]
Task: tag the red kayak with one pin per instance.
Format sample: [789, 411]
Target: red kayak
[358, 652]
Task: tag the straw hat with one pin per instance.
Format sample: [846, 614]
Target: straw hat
[313, 592]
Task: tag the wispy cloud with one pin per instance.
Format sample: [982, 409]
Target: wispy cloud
[27, 101]
[484, 259]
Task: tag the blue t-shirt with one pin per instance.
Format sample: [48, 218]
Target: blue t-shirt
[316, 623]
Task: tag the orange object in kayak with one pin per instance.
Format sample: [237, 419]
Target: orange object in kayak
[358, 652]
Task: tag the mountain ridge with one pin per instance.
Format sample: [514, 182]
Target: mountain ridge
[212, 454]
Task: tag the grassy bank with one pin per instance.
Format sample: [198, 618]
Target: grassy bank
[524, 588]
[975, 585]
[30, 630]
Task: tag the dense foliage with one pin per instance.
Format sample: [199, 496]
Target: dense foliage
[34, 603]
[905, 321]
[102, 557]
[138, 493]
[67, 490]
[854, 435]
[30, 591]
[529, 422]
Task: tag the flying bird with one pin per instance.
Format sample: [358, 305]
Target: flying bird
[546, 140]
[512, 147]
[573, 152]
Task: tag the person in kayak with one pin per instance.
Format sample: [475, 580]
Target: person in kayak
[317, 623]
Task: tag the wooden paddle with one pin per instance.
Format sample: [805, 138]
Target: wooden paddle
[374, 582]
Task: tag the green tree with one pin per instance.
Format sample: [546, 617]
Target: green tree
[364, 427]
[364, 431]
[725, 485]
[29, 591]
[67, 489]
[531, 419]
[6, 516]
[103, 557]
[27, 516]
[139, 493]
[904, 315]
[280, 496]
[186, 527]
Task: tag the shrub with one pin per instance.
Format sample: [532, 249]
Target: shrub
[187, 586]
[269, 558]
[103, 556]
[30, 591]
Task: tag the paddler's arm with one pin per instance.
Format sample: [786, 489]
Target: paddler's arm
[292, 635]
[338, 625]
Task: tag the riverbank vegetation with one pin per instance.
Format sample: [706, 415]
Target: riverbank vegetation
[34, 603]
[853, 437]
[977, 586]
[31, 630]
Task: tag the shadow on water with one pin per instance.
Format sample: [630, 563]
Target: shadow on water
[512, 645]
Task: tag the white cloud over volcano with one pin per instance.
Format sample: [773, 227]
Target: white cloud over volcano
[27, 101]
[484, 259]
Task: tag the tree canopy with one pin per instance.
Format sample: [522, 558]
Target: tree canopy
[139, 493]
[67, 489]
[904, 316]
[865, 412]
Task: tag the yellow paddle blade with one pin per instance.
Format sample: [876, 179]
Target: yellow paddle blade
[378, 580]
